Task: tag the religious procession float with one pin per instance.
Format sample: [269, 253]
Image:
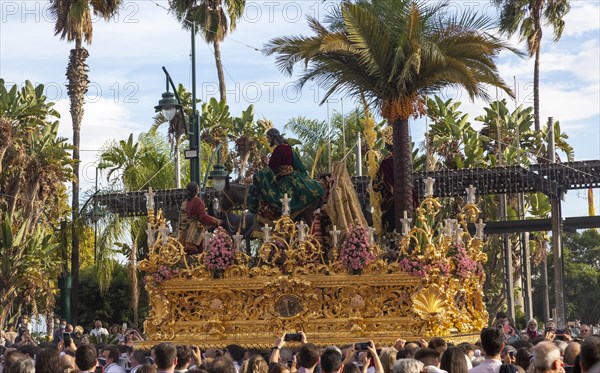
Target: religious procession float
[337, 289]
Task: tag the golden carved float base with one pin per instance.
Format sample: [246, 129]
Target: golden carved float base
[295, 284]
[330, 309]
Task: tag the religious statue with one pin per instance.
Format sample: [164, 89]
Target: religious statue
[193, 220]
[284, 176]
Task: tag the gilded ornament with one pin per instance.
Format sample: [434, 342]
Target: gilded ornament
[295, 284]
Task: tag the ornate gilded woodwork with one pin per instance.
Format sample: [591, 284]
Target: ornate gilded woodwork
[296, 284]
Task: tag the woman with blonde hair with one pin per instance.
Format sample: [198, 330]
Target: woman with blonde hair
[388, 358]
[256, 364]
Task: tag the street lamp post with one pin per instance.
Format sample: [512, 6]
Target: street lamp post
[170, 103]
[219, 174]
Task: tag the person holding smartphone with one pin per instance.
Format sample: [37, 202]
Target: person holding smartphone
[280, 342]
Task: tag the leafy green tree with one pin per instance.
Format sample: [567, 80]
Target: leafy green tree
[73, 21]
[250, 143]
[581, 277]
[28, 263]
[213, 19]
[394, 53]
[34, 160]
[454, 143]
[113, 305]
[524, 18]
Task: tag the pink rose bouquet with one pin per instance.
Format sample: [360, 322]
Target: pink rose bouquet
[355, 253]
[221, 253]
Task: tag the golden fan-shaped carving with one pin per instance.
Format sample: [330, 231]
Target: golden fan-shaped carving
[430, 303]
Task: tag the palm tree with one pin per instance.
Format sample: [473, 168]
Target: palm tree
[315, 135]
[137, 165]
[74, 23]
[215, 18]
[394, 52]
[524, 18]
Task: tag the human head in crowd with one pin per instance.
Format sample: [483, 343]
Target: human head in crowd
[573, 349]
[438, 344]
[409, 351]
[28, 350]
[76, 331]
[166, 356]
[21, 366]
[308, 356]
[257, 364]
[212, 353]
[146, 368]
[86, 358]
[408, 366]
[47, 360]
[501, 318]
[491, 342]
[67, 362]
[532, 325]
[184, 357]
[137, 357]
[124, 350]
[237, 352]
[10, 356]
[351, 368]
[428, 356]
[585, 331]
[111, 355]
[523, 357]
[388, 358]
[331, 361]
[546, 357]
[222, 364]
[278, 368]
[453, 360]
[590, 355]
[114, 330]
[468, 349]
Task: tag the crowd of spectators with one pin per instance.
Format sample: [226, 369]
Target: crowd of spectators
[501, 349]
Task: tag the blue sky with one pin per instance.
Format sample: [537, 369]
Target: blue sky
[127, 54]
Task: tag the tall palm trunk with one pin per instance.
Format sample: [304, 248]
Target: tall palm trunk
[220, 74]
[403, 183]
[76, 88]
[536, 91]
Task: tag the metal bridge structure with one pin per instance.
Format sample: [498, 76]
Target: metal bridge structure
[551, 179]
